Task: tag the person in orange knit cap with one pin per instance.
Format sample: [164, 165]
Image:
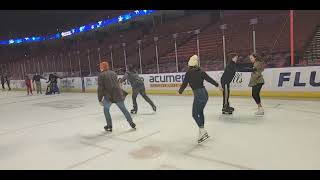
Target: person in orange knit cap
[109, 91]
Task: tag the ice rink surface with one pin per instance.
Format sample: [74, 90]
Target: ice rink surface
[66, 132]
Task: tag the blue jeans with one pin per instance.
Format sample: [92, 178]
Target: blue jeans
[121, 106]
[56, 88]
[199, 102]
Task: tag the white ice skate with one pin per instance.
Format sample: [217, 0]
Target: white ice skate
[260, 112]
[203, 135]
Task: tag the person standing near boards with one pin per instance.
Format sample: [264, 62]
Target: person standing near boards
[37, 80]
[256, 79]
[226, 79]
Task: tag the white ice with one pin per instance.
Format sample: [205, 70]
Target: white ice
[66, 132]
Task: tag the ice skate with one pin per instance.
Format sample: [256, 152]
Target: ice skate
[133, 125]
[226, 110]
[108, 128]
[203, 135]
[260, 112]
[154, 108]
[133, 111]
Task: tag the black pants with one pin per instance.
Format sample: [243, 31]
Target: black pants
[226, 94]
[256, 92]
[142, 91]
[8, 84]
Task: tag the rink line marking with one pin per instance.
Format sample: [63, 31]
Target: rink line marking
[41, 124]
[96, 145]
[189, 153]
[167, 167]
[138, 139]
[300, 110]
[27, 100]
[87, 160]
[221, 162]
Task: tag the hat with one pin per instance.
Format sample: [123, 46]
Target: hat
[193, 61]
[104, 65]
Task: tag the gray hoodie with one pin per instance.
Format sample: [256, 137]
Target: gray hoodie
[133, 78]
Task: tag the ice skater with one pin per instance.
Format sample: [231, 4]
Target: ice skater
[195, 77]
[28, 84]
[256, 79]
[2, 81]
[37, 80]
[109, 91]
[5, 79]
[138, 87]
[53, 88]
[226, 79]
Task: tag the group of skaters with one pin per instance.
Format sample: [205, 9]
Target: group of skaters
[110, 91]
[195, 77]
[52, 87]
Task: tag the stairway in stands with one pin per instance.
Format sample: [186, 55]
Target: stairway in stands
[312, 52]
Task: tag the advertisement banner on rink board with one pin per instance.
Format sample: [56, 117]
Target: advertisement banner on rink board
[70, 83]
[173, 81]
[292, 79]
[305, 79]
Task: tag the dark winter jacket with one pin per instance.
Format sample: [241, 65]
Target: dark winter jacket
[109, 87]
[5, 78]
[37, 78]
[53, 78]
[195, 77]
[229, 73]
[133, 78]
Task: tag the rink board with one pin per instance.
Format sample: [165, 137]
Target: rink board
[279, 82]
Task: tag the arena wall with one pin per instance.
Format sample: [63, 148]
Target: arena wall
[279, 82]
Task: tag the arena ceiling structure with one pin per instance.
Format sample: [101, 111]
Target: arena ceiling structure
[36, 22]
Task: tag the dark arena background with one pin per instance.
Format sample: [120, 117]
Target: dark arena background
[57, 121]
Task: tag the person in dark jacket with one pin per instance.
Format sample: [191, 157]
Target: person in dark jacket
[37, 80]
[2, 81]
[138, 87]
[109, 91]
[195, 77]
[5, 79]
[226, 79]
[53, 84]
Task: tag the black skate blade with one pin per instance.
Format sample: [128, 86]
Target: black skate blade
[228, 113]
[203, 139]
